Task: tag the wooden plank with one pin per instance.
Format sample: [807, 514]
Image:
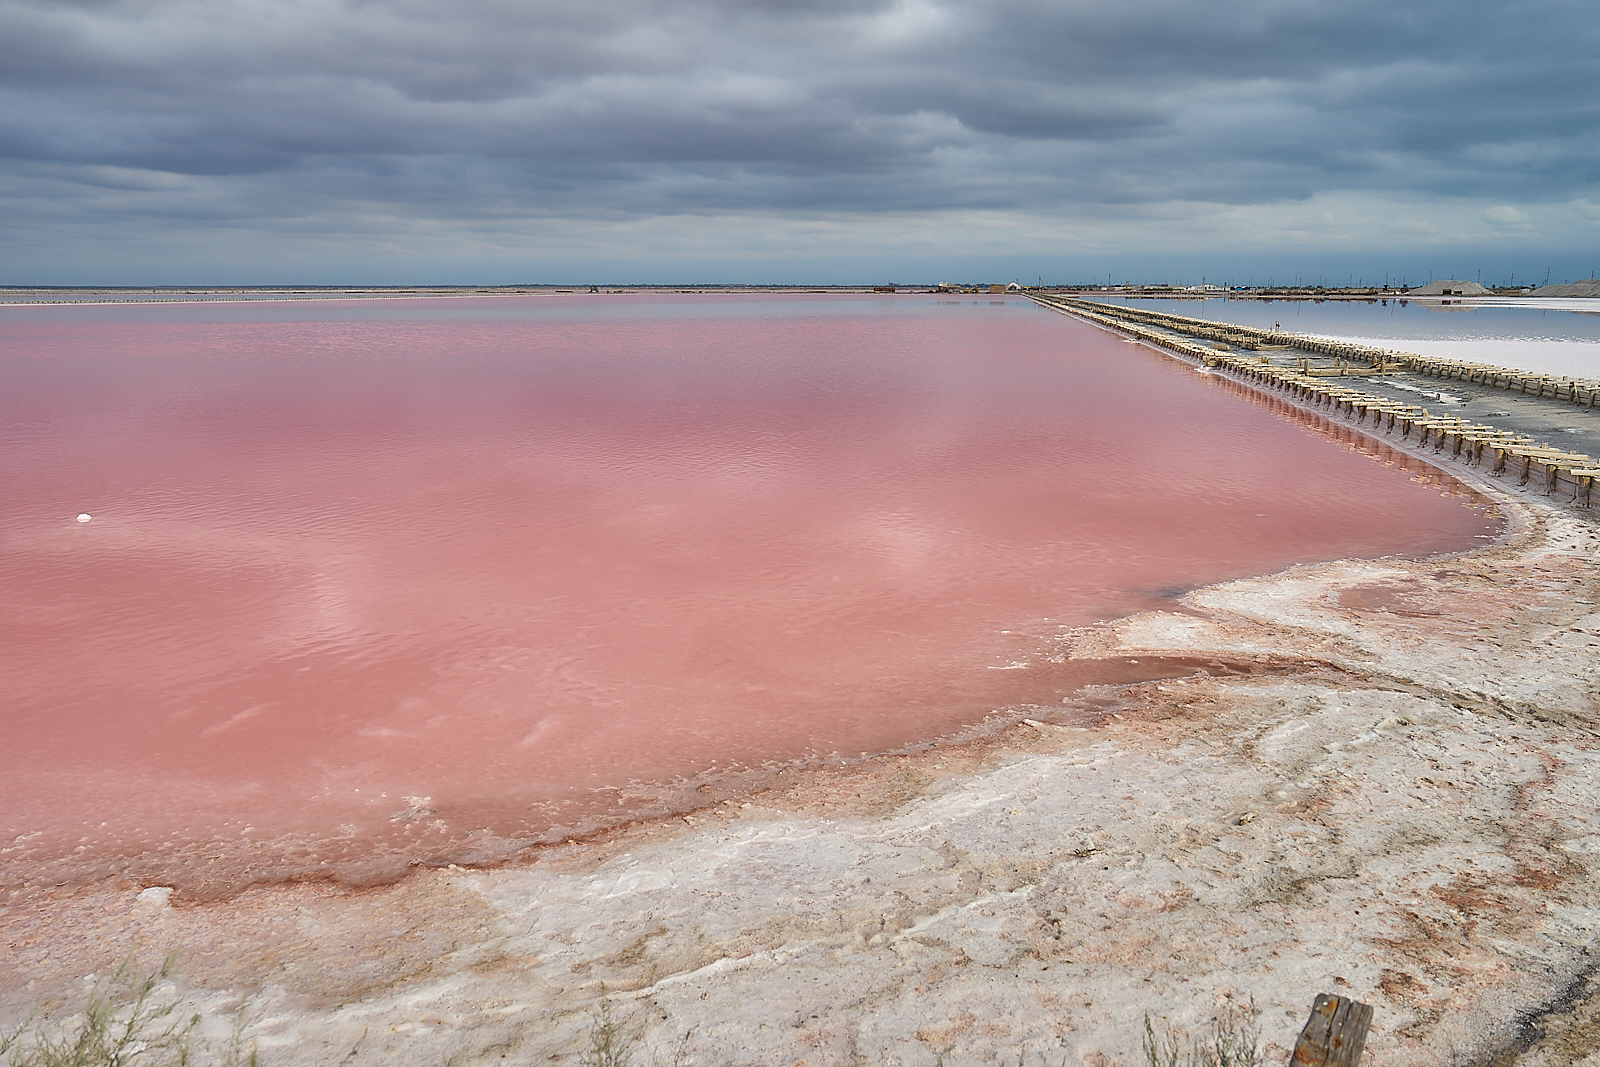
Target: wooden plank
[1334, 1035]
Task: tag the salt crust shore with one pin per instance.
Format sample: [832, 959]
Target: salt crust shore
[1403, 809]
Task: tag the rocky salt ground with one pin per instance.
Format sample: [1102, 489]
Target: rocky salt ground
[1397, 803]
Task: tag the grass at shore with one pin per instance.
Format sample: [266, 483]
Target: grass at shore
[129, 1019]
[1234, 1041]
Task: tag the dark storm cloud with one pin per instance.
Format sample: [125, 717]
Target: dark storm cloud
[638, 107]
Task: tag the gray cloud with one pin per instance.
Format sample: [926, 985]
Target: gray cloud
[642, 108]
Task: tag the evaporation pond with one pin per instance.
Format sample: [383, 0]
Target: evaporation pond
[300, 584]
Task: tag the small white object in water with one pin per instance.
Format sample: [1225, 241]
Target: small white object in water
[84, 517]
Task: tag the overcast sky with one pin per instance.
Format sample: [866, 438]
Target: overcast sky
[476, 141]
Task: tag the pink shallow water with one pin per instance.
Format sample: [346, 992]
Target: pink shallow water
[535, 559]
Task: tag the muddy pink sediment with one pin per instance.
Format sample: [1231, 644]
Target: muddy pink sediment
[393, 582]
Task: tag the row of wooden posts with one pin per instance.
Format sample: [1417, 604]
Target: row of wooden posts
[1553, 469]
[1583, 391]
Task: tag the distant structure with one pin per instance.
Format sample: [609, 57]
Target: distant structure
[1013, 287]
[1586, 287]
[1449, 287]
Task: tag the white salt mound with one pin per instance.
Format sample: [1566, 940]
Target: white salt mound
[1585, 287]
[1449, 287]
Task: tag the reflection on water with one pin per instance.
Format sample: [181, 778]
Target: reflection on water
[397, 579]
[1549, 336]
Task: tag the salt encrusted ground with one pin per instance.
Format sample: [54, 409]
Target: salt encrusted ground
[1403, 808]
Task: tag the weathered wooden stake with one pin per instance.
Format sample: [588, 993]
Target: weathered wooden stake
[1334, 1035]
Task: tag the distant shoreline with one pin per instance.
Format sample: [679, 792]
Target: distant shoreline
[110, 294]
[114, 294]
[198, 294]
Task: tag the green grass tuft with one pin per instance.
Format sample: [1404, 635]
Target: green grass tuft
[123, 1023]
[608, 1045]
[1234, 1041]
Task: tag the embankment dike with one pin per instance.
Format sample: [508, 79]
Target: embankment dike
[1318, 373]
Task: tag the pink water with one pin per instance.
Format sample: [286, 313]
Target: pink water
[536, 559]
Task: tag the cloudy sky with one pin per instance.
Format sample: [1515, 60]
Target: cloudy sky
[478, 141]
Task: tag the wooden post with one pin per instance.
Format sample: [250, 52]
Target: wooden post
[1334, 1035]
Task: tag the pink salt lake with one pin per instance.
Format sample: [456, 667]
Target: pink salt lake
[374, 582]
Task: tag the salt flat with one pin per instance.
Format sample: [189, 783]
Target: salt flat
[1397, 804]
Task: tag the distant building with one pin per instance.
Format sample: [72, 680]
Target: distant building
[1449, 287]
[1013, 288]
